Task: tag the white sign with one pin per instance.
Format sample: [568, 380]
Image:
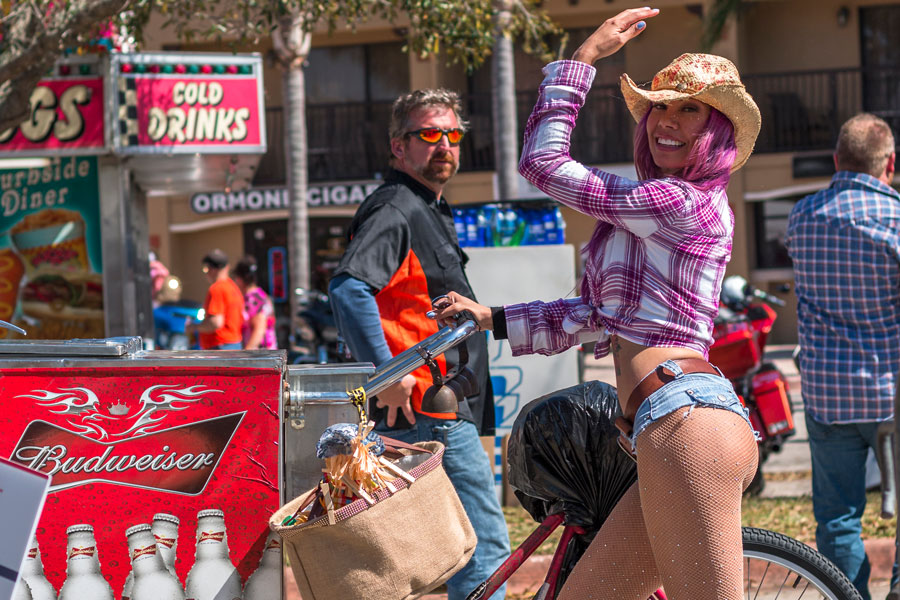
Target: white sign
[22, 494]
[331, 194]
[521, 274]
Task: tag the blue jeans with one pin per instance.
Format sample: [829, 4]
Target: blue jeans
[839, 453]
[229, 346]
[469, 470]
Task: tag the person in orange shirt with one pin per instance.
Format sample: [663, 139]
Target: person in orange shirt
[220, 328]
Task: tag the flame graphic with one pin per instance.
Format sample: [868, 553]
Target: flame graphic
[69, 404]
[82, 406]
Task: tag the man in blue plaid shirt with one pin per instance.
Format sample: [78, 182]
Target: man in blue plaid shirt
[845, 245]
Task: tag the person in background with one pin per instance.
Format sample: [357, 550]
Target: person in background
[844, 242]
[258, 330]
[403, 252]
[220, 328]
[158, 275]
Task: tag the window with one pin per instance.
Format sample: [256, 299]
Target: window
[880, 56]
[770, 218]
[361, 73]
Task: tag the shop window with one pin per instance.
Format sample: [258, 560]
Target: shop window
[362, 73]
[770, 219]
[880, 56]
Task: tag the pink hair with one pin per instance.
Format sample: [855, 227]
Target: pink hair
[709, 166]
[711, 158]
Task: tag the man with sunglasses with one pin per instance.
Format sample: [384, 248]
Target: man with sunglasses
[402, 253]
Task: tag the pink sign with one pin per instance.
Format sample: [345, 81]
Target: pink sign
[197, 111]
[66, 114]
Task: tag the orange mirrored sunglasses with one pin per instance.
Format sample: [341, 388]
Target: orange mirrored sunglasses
[433, 135]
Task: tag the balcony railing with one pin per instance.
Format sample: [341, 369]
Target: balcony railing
[805, 110]
[801, 111]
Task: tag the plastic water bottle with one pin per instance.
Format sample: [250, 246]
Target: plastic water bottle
[519, 227]
[484, 228]
[497, 227]
[551, 234]
[536, 234]
[460, 225]
[560, 225]
[471, 220]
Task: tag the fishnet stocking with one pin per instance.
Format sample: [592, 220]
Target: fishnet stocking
[678, 527]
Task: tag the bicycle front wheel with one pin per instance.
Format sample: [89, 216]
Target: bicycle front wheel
[776, 566]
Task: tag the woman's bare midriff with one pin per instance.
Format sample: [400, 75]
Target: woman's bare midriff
[633, 361]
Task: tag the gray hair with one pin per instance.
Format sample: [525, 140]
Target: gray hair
[864, 144]
[407, 103]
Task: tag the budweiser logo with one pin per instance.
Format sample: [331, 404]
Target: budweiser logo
[114, 420]
[81, 551]
[273, 544]
[167, 542]
[32, 553]
[179, 459]
[216, 536]
[138, 552]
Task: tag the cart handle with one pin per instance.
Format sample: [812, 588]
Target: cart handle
[11, 327]
[398, 367]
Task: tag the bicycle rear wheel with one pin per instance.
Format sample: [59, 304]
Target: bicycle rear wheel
[776, 566]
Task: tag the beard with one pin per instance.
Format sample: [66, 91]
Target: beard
[439, 172]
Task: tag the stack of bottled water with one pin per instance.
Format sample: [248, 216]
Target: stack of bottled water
[509, 225]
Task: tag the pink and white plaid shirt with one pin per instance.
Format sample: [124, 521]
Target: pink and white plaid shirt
[656, 276]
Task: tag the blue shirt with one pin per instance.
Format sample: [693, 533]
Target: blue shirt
[845, 245]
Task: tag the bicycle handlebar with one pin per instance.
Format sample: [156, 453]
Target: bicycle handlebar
[398, 367]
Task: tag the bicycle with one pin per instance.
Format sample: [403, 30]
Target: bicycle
[775, 565]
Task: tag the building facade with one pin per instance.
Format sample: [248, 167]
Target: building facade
[810, 65]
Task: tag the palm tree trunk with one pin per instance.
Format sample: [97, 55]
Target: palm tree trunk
[292, 45]
[503, 83]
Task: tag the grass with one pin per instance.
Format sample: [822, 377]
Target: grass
[790, 516]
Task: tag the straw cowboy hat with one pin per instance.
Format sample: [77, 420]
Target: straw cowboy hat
[710, 79]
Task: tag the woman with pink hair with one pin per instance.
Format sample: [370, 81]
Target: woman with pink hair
[653, 273]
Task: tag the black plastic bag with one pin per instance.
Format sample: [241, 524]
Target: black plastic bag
[563, 457]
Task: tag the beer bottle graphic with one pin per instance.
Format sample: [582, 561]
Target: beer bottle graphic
[33, 574]
[165, 531]
[21, 591]
[265, 582]
[152, 581]
[83, 576]
[213, 576]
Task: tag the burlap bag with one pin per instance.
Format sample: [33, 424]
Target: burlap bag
[403, 546]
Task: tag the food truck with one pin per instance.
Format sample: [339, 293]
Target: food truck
[105, 133]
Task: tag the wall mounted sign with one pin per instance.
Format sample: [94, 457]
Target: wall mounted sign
[187, 103]
[326, 194]
[66, 118]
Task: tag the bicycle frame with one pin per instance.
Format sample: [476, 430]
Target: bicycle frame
[518, 557]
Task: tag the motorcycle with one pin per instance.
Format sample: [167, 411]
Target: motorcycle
[316, 339]
[171, 316]
[740, 332]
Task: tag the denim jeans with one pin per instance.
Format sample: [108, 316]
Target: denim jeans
[691, 389]
[839, 453]
[469, 470]
[229, 346]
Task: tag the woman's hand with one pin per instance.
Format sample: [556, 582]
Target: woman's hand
[455, 304]
[613, 34]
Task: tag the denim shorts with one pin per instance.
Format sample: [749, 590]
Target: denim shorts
[692, 389]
